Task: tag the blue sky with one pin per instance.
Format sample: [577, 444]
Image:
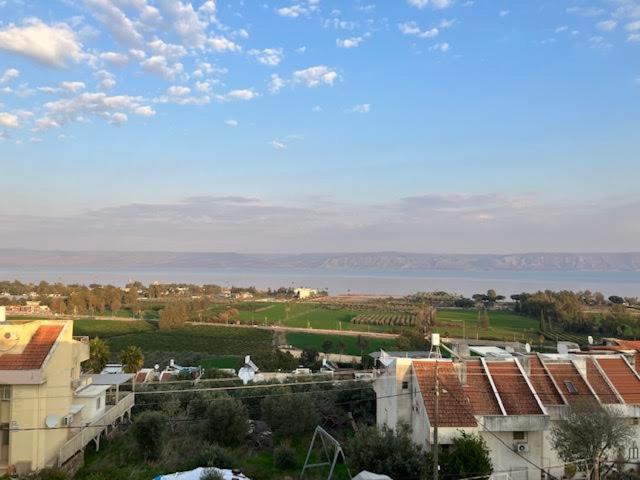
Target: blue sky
[318, 125]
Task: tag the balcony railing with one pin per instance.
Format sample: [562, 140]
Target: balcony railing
[95, 428]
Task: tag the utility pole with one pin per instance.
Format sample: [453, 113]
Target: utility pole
[435, 427]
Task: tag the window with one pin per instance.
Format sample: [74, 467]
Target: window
[635, 421]
[5, 392]
[405, 385]
[571, 388]
[98, 403]
[4, 433]
[520, 436]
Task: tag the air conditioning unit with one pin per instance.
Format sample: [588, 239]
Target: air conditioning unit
[67, 420]
[521, 448]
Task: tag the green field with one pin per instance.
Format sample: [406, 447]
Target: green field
[109, 328]
[503, 325]
[313, 340]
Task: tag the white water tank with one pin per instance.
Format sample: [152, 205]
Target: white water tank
[3, 314]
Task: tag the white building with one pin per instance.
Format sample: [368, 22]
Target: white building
[511, 402]
[303, 293]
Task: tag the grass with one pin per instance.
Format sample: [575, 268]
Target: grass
[109, 328]
[503, 325]
[314, 340]
[222, 361]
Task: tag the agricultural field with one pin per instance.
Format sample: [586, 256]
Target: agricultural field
[349, 344]
[503, 325]
[393, 319]
[109, 328]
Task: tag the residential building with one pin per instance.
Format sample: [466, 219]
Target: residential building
[511, 401]
[303, 293]
[49, 411]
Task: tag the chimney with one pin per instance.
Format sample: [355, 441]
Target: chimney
[3, 314]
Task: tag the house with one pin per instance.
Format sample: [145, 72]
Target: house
[512, 402]
[303, 293]
[49, 411]
[31, 307]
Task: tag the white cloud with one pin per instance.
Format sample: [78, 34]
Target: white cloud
[561, 28]
[208, 9]
[121, 27]
[633, 37]
[178, 91]
[118, 118]
[586, 11]
[9, 74]
[144, 111]
[115, 58]
[301, 49]
[352, 42]
[294, 11]
[203, 87]
[240, 94]
[9, 120]
[276, 83]
[441, 47]
[315, 76]
[278, 145]
[607, 25]
[45, 123]
[412, 28]
[137, 54]
[633, 26]
[167, 50]
[269, 56]
[243, 33]
[223, 44]
[73, 87]
[186, 22]
[362, 108]
[231, 122]
[503, 13]
[438, 4]
[51, 45]
[316, 108]
[106, 80]
[158, 64]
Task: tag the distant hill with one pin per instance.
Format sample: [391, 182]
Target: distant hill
[17, 258]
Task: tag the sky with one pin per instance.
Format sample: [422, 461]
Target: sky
[457, 126]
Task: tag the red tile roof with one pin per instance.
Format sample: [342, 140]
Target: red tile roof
[141, 377]
[35, 352]
[454, 407]
[566, 375]
[542, 383]
[627, 344]
[517, 398]
[599, 383]
[166, 376]
[623, 378]
[479, 391]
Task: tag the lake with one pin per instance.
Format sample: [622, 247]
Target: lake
[354, 281]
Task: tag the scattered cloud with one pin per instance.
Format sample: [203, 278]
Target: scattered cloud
[607, 25]
[503, 13]
[586, 11]
[352, 42]
[232, 123]
[159, 65]
[178, 91]
[278, 145]
[315, 76]
[122, 28]
[412, 28]
[240, 94]
[276, 83]
[268, 56]
[9, 120]
[437, 4]
[9, 74]
[362, 108]
[223, 44]
[51, 45]
[441, 47]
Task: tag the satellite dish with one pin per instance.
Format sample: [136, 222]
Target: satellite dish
[51, 421]
[590, 340]
[527, 347]
[156, 367]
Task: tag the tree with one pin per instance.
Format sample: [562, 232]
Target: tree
[132, 359]
[468, 457]
[227, 421]
[149, 429]
[173, 316]
[590, 432]
[99, 354]
[386, 452]
[277, 412]
[363, 343]
[327, 345]
[616, 299]
[309, 357]
[483, 318]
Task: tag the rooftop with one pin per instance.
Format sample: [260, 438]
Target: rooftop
[35, 351]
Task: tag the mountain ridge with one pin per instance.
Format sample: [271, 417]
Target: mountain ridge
[389, 260]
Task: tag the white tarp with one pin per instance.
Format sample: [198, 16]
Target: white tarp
[364, 475]
[198, 472]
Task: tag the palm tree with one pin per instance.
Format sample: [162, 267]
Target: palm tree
[99, 354]
[132, 359]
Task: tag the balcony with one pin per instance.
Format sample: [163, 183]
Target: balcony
[94, 430]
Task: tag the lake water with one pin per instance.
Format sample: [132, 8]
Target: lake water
[360, 281]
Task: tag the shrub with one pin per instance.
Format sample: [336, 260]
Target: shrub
[277, 412]
[214, 455]
[148, 429]
[284, 457]
[51, 473]
[227, 421]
